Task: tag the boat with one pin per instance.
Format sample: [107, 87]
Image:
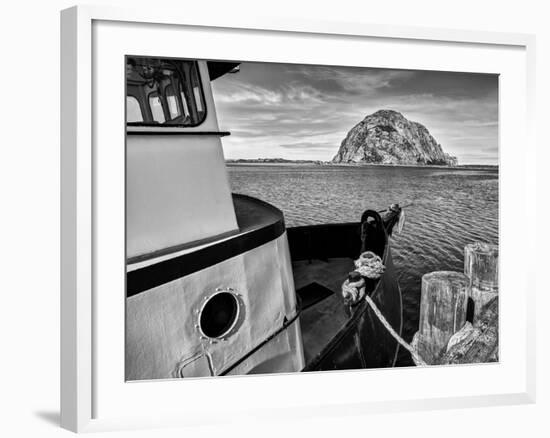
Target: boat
[216, 284]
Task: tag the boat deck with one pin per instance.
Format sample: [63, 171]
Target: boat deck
[318, 283]
[253, 214]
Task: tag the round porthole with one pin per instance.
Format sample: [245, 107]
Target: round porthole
[219, 315]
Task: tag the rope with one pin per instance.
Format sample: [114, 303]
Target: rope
[370, 265]
[401, 221]
[416, 357]
[353, 291]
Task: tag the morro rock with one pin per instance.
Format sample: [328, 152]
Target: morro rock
[386, 137]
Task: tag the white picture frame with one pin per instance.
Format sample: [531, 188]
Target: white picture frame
[93, 396]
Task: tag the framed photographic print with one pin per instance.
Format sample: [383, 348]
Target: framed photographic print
[288, 217]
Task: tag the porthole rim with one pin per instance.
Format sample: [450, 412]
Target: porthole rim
[232, 326]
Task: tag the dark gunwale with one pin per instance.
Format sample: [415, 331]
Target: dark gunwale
[148, 277]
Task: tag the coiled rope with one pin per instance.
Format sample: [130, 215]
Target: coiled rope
[370, 265]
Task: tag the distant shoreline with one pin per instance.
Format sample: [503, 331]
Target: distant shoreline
[281, 162]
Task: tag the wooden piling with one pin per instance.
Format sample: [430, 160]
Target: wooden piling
[481, 267]
[479, 344]
[443, 307]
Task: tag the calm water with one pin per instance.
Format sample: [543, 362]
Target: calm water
[450, 208]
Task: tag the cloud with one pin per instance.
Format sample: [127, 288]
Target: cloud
[250, 94]
[305, 111]
[353, 79]
[289, 94]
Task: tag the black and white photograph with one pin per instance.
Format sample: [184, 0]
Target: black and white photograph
[285, 218]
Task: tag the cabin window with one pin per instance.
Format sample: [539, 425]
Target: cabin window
[197, 98]
[133, 110]
[166, 91]
[185, 107]
[173, 104]
[155, 105]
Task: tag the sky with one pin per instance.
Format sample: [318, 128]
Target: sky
[304, 112]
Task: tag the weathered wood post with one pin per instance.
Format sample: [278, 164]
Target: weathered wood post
[481, 267]
[476, 343]
[442, 311]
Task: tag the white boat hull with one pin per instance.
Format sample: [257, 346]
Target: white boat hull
[163, 337]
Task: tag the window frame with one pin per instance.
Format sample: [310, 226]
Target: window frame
[144, 124]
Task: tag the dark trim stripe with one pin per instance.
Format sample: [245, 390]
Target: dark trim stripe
[167, 131]
[163, 272]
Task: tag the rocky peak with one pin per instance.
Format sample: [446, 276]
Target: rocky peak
[387, 137]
